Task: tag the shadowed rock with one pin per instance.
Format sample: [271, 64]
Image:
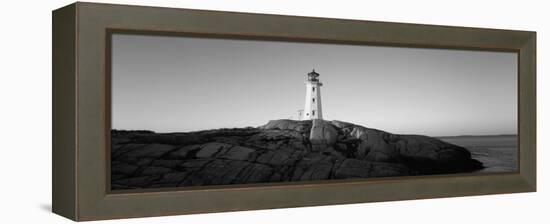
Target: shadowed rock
[281, 150]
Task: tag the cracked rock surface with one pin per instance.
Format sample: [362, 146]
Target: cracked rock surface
[280, 151]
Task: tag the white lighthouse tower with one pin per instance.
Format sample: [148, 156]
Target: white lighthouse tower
[312, 108]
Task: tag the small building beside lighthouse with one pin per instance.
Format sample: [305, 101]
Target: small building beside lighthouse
[312, 108]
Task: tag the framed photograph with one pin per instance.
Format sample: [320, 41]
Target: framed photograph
[160, 111]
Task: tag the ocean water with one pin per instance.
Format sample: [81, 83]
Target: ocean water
[498, 153]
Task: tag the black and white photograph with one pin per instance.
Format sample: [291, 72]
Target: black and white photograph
[205, 111]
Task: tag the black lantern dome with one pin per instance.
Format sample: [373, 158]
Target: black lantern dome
[313, 76]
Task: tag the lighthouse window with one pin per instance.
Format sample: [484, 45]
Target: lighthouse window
[313, 112]
[313, 89]
[313, 100]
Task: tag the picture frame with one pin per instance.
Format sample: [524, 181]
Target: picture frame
[81, 111]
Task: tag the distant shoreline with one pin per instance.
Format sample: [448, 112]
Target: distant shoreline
[476, 136]
[452, 136]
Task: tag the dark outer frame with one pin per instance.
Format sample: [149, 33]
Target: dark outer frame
[81, 111]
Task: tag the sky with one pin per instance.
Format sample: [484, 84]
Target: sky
[180, 84]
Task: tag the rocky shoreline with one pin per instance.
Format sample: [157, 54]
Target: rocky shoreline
[280, 151]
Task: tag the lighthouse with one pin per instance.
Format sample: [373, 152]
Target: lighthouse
[312, 108]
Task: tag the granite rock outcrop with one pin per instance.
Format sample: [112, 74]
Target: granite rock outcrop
[279, 151]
